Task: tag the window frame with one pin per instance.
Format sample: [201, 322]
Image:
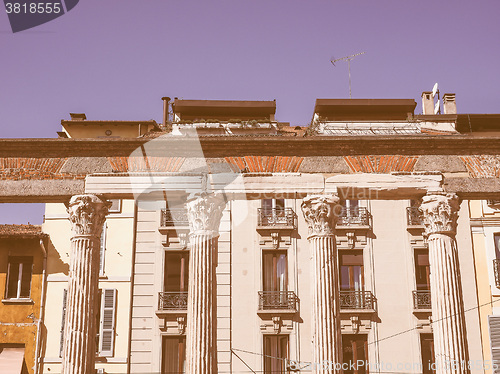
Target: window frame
[23, 260]
[269, 360]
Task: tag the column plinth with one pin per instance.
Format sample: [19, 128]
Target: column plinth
[321, 213]
[204, 215]
[86, 214]
[440, 212]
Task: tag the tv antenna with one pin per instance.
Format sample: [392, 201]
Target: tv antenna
[348, 58]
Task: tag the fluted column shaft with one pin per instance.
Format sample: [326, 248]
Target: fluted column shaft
[86, 214]
[440, 213]
[320, 214]
[204, 214]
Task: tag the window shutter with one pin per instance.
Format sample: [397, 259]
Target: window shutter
[494, 322]
[65, 297]
[102, 250]
[107, 333]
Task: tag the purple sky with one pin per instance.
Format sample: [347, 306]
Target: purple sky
[115, 59]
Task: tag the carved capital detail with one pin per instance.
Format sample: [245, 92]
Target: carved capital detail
[87, 214]
[204, 213]
[321, 213]
[440, 213]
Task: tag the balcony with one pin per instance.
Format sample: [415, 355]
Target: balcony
[172, 303]
[414, 217]
[277, 302]
[422, 301]
[276, 218]
[357, 301]
[496, 270]
[353, 218]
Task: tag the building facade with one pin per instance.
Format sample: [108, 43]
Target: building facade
[22, 283]
[224, 241]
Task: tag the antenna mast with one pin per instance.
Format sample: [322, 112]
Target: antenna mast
[348, 58]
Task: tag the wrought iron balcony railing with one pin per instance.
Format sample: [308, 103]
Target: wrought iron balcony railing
[361, 300]
[358, 216]
[276, 217]
[172, 300]
[272, 300]
[496, 270]
[174, 217]
[421, 300]
[414, 216]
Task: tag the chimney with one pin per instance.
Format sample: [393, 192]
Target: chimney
[449, 103]
[166, 100]
[427, 103]
[78, 116]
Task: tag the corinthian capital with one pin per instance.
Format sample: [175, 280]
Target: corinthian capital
[87, 214]
[321, 214]
[204, 213]
[440, 213]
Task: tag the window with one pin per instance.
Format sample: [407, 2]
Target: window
[275, 354]
[102, 249]
[173, 355]
[355, 354]
[270, 204]
[275, 271]
[105, 322]
[176, 271]
[351, 271]
[273, 212]
[496, 238]
[427, 350]
[19, 277]
[422, 269]
[494, 327]
[116, 206]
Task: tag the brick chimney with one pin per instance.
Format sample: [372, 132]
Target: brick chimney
[449, 103]
[427, 103]
[78, 116]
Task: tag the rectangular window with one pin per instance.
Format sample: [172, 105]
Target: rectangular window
[105, 320]
[116, 206]
[275, 354]
[496, 238]
[275, 271]
[422, 269]
[19, 273]
[351, 271]
[427, 350]
[173, 355]
[176, 271]
[355, 354]
[494, 327]
[102, 250]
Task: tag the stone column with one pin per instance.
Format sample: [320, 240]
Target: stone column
[321, 212]
[440, 213]
[86, 214]
[204, 215]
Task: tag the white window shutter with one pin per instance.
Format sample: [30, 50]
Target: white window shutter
[108, 313]
[494, 322]
[102, 250]
[65, 297]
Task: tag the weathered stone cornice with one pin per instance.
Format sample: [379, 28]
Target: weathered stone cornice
[223, 146]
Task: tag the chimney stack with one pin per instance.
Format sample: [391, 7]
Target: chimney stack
[166, 100]
[427, 103]
[449, 103]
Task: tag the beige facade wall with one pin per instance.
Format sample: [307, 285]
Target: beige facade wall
[485, 223]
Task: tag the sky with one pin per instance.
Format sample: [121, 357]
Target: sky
[115, 59]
